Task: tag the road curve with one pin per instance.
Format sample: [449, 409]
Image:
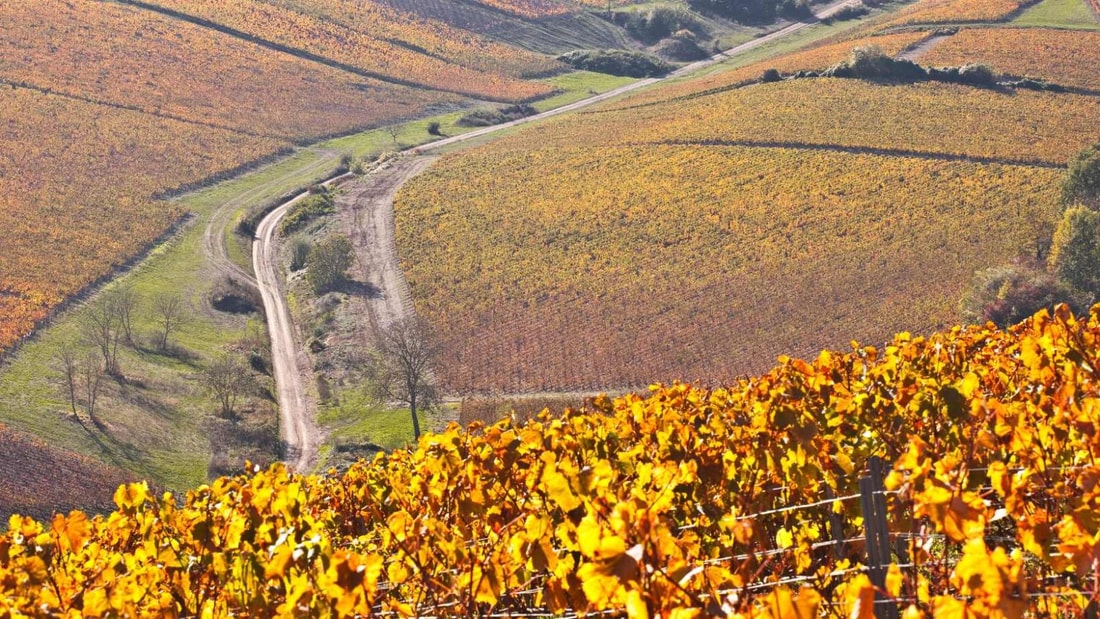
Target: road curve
[213, 238]
[376, 192]
[289, 362]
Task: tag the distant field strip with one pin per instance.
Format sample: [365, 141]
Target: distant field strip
[355, 48]
[172, 68]
[1066, 57]
[926, 117]
[867, 150]
[61, 480]
[957, 11]
[617, 265]
[815, 58]
[76, 181]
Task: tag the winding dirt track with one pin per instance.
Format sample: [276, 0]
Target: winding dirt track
[289, 361]
[371, 197]
[213, 238]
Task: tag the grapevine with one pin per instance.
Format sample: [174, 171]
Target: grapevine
[680, 503]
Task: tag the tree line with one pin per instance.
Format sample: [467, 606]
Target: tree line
[1065, 265]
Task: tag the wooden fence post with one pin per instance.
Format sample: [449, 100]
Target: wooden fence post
[877, 536]
[836, 526]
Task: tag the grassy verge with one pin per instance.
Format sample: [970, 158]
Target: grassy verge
[158, 421]
[579, 85]
[1059, 14]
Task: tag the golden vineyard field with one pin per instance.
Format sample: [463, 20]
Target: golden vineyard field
[358, 39]
[384, 22]
[533, 9]
[167, 66]
[1013, 126]
[1067, 58]
[955, 11]
[686, 503]
[76, 192]
[577, 277]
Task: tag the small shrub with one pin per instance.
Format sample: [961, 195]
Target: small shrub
[345, 164]
[299, 252]
[770, 76]
[850, 12]
[1007, 294]
[659, 22]
[682, 49]
[489, 117]
[328, 263]
[232, 297]
[317, 204]
[1082, 181]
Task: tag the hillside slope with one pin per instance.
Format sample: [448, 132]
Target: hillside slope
[747, 218]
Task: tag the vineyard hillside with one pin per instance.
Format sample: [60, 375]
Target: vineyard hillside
[38, 480]
[108, 107]
[747, 218]
[952, 475]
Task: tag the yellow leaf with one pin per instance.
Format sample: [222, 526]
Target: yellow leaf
[859, 598]
[894, 580]
[557, 487]
[635, 606]
[783, 538]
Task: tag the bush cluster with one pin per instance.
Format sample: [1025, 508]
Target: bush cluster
[617, 62]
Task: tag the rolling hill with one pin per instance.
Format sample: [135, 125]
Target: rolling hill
[750, 219]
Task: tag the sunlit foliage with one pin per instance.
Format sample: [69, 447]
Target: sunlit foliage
[656, 506]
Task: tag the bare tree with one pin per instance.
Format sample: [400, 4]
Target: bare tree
[408, 354]
[70, 372]
[102, 329]
[394, 131]
[226, 379]
[91, 378]
[124, 302]
[171, 313]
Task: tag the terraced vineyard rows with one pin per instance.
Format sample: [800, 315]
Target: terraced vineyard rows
[1067, 58]
[76, 181]
[425, 36]
[621, 264]
[1021, 126]
[677, 504]
[169, 67]
[355, 46]
[62, 480]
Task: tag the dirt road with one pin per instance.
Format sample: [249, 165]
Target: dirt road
[369, 204]
[289, 360]
[213, 238]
